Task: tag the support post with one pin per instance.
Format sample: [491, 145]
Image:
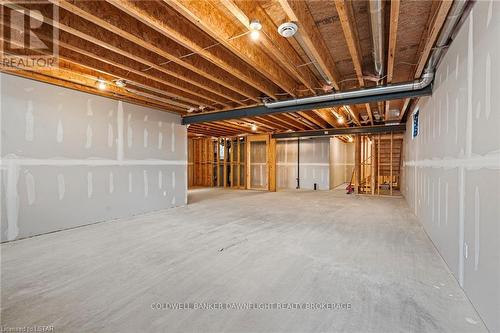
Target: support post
[357, 163]
[372, 165]
[390, 181]
[271, 166]
[378, 166]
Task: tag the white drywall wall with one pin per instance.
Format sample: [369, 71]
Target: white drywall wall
[341, 162]
[314, 163]
[452, 168]
[70, 158]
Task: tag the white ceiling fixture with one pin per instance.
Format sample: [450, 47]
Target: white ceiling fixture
[288, 29]
[120, 83]
[101, 84]
[255, 27]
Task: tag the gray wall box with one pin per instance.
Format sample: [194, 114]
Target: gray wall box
[70, 158]
[452, 168]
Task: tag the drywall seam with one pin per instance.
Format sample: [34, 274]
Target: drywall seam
[12, 201]
[12, 160]
[119, 130]
[29, 131]
[490, 160]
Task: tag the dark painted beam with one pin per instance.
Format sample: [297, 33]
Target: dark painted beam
[262, 110]
[364, 130]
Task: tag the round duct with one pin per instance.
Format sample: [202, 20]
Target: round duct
[288, 29]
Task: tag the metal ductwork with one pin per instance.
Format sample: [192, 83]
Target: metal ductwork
[425, 80]
[381, 90]
[449, 25]
[421, 87]
[377, 24]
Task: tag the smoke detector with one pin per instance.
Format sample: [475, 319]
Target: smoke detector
[288, 29]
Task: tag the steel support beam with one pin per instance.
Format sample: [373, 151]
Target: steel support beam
[263, 110]
[364, 130]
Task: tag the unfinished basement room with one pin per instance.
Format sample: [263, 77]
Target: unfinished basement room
[250, 166]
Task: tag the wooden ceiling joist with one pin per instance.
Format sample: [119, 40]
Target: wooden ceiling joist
[428, 40]
[130, 29]
[168, 83]
[284, 122]
[316, 121]
[166, 22]
[344, 11]
[393, 33]
[327, 116]
[272, 42]
[295, 119]
[84, 58]
[269, 123]
[297, 11]
[213, 21]
[94, 36]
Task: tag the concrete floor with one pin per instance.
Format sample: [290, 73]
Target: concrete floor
[239, 246]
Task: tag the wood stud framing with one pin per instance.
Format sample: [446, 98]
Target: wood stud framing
[190, 55]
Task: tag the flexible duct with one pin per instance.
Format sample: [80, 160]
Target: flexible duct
[448, 27]
[377, 24]
[381, 90]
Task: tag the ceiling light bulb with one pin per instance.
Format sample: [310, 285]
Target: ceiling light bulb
[101, 84]
[340, 120]
[254, 127]
[120, 83]
[351, 139]
[254, 35]
[255, 25]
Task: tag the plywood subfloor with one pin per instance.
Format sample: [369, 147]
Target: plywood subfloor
[239, 246]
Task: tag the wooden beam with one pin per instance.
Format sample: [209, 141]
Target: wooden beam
[297, 11]
[432, 32]
[344, 10]
[357, 162]
[211, 20]
[393, 33]
[290, 118]
[428, 40]
[277, 46]
[286, 122]
[327, 116]
[392, 147]
[266, 122]
[271, 165]
[99, 62]
[318, 121]
[346, 18]
[166, 22]
[115, 29]
[90, 33]
[265, 126]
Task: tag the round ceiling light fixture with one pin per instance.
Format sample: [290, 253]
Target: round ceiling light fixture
[121, 83]
[288, 29]
[101, 84]
[255, 27]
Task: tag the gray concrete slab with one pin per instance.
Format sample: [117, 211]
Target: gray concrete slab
[239, 246]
